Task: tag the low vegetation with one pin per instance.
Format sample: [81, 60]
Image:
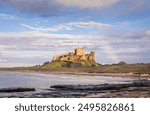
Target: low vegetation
[92, 67]
[88, 67]
[69, 64]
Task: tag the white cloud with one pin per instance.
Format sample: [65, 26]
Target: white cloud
[36, 29]
[36, 34]
[2, 60]
[89, 24]
[87, 3]
[40, 46]
[58, 7]
[71, 26]
[6, 17]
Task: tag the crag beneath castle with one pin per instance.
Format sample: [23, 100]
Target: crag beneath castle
[76, 56]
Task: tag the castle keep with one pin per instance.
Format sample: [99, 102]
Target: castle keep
[76, 56]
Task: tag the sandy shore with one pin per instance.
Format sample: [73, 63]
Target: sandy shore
[105, 74]
[130, 75]
[139, 87]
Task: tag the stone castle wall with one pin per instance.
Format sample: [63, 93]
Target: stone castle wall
[79, 51]
[76, 56]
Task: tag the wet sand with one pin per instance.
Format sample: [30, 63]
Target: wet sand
[127, 75]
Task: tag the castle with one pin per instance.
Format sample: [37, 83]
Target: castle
[76, 56]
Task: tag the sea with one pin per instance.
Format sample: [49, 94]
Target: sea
[42, 81]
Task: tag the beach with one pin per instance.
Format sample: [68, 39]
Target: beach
[53, 85]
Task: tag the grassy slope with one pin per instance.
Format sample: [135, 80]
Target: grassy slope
[126, 68]
[140, 68]
[69, 64]
[90, 67]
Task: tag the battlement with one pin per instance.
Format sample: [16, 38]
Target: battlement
[76, 56]
[79, 51]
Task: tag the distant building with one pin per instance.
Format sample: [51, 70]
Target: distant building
[75, 56]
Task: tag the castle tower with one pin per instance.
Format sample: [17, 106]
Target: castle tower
[92, 56]
[79, 51]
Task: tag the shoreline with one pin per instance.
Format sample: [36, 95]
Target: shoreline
[134, 89]
[127, 75]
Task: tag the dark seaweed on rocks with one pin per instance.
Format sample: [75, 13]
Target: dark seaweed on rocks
[138, 88]
[135, 89]
[141, 83]
[10, 90]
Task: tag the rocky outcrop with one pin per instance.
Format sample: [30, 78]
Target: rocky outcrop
[138, 88]
[135, 89]
[10, 90]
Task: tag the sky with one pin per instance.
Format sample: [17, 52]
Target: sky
[33, 31]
